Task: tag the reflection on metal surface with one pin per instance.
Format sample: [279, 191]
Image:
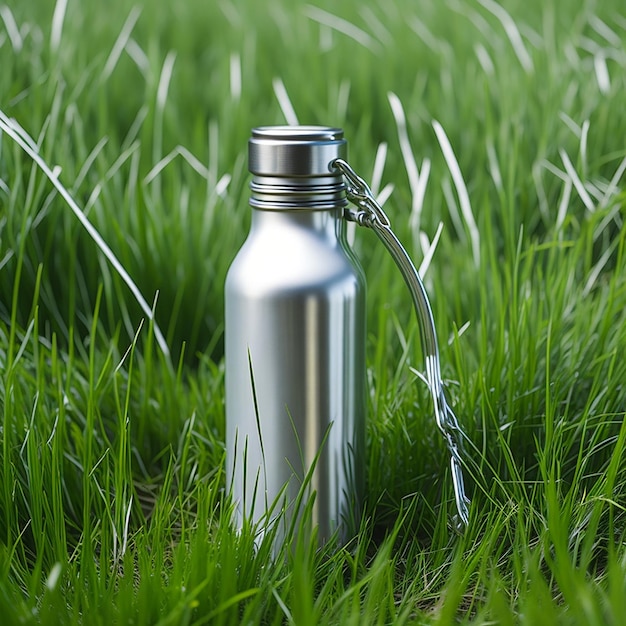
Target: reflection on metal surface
[295, 307]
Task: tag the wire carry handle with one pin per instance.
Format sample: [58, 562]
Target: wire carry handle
[370, 214]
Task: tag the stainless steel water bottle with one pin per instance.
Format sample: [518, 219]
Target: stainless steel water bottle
[295, 340]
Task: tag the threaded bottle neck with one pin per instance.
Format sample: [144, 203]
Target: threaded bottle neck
[290, 167]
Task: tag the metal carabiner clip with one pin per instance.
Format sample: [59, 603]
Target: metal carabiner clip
[371, 215]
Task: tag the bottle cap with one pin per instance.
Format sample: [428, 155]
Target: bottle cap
[295, 150]
[291, 167]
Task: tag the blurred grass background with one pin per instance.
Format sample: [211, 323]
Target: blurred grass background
[111, 478]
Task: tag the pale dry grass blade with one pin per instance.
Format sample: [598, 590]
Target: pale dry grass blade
[620, 19]
[284, 102]
[165, 79]
[54, 576]
[589, 45]
[494, 166]
[418, 197]
[14, 125]
[594, 191]
[459, 333]
[231, 13]
[343, 97]
[12, 29]
[453, 209]
[326, 38]
[221, 185]
[563, 204]
[403, 137]
[461, 189]
[139, 57]
[235, 76]
[512, 32]
[428, 249]
[584, 135]
[481, 24]
[120, 42]
[91, 157]
[135, 127]
[6, 258]
[214, 151]
[377, 27]
[426, 35]
[578, 183]
[597, 270]
[161, 98]
[613, 184]
[16, 132]
[571, 54]
[379, 167]
[126, 526]
[553, 169]
[340, 25]
[58, 18]
[484, 59]
[605, 31]
[610, 192]
[4, 187]
[117, 164]
[602, 73]
[417, 182]
[542, 198]
[385, 193]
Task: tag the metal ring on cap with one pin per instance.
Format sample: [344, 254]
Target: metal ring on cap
[294, 150]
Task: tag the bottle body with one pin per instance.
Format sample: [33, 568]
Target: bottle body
[295, 371]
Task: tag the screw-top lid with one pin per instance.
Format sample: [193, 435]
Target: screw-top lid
[295, 150]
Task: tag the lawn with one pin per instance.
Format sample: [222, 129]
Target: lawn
[494, 134]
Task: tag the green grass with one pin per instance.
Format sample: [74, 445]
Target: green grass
[112, 503]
